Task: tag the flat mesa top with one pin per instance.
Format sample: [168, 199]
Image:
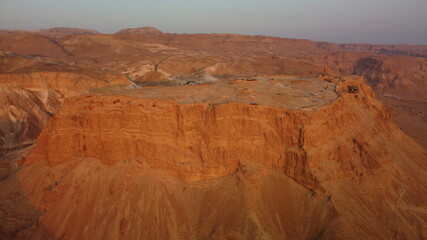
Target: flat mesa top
[291, 93]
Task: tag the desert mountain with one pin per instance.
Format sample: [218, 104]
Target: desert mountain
[208, 161]
[66, 30]
[146, 135]
[397, 73]
[142, 30]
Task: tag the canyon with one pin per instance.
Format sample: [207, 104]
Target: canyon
[143, 134]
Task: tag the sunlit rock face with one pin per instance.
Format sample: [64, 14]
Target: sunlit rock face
[192, 168]
[148, 135]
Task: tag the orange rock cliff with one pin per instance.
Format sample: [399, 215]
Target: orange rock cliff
[158, 169]
[143, 134]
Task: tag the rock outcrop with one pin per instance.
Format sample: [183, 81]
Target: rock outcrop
[125, 166]
[245, 152]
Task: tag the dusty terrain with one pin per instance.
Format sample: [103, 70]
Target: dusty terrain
[147, 135]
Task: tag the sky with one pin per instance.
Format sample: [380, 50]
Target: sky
[341, 21]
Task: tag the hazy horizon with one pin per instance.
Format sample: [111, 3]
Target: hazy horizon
[375, 21]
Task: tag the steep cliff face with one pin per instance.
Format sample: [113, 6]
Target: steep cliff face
[124, 166]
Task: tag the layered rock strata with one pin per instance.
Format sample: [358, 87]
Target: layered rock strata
[124, 166]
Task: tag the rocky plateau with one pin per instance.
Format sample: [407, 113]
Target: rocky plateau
[143, 134]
